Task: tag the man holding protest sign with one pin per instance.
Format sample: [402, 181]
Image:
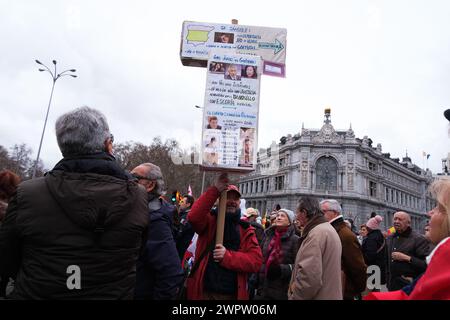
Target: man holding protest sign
[224, 268]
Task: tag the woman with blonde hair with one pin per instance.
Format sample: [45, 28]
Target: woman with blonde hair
[433, 284]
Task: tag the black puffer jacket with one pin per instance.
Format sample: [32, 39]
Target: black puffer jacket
[374, 249]
[277, 289]
[75, 216]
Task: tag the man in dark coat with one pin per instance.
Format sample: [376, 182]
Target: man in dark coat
[354, 269]
[77, 232]
[159, 272]
[185, 232]
[407, 251]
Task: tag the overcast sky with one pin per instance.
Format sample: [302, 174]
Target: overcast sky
[383, 66]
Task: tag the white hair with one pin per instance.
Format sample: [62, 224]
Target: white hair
[332, 205]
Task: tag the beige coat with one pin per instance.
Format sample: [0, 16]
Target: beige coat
[317, 271]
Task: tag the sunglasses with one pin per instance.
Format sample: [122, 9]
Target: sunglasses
[111, 137]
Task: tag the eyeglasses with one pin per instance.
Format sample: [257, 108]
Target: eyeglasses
[138, 177]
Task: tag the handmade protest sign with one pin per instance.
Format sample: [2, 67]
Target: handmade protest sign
[230, 113]
[200, 39]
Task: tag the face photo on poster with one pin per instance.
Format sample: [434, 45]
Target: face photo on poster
[216, 67]
[224, 37]
[249, 72]
[247, 140]
[212, 122]
[233, 71]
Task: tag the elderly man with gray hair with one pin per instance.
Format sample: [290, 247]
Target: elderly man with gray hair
[407, 251]
[354, 269]
[76, 233]
[159, 271]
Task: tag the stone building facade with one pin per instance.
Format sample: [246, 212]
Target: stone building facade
[329, 163]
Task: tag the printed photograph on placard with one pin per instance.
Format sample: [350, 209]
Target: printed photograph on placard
[223, 37]
[247, 140]
[249, 72]
[213, 123]
[217, 67]
[211, 147]
[233, 71]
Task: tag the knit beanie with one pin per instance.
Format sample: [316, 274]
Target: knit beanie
[290, 214]
[374, 223]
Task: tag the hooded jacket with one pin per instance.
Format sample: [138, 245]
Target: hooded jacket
[75, 233]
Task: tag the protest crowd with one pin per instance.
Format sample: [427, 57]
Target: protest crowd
[89, 229]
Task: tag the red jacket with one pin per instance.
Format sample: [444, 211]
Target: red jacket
[433, 285]
[247, 260]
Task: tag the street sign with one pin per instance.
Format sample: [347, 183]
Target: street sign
[199, 39]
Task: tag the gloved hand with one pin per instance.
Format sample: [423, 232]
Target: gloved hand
[274, 272]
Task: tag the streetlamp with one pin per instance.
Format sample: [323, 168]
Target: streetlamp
[55, 77]
[204, 172]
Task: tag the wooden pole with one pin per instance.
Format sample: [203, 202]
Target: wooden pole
[221, 217]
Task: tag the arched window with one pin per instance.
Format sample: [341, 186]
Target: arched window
[326, 174]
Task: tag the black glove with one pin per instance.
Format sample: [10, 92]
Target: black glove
[274, 272]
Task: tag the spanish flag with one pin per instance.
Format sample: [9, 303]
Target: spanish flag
[391, 230]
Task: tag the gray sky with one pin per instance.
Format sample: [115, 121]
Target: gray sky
[383, 66]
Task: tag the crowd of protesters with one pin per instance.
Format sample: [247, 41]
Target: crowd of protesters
[90, 230]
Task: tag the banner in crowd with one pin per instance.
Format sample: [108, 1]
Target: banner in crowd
[230, 113]
[199, 39]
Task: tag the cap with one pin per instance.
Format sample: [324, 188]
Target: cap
[447, 114]
[232, 187]
[251, 212]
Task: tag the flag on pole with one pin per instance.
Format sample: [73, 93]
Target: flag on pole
[391, 230]
[428, 156]
[189, 190]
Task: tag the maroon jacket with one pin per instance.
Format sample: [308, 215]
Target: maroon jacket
[247, 260]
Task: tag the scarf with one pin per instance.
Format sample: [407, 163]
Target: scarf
[275, 252]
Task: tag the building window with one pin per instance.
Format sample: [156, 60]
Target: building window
[372, 189]
[256, 187]
[386, 194]
[372, 166]
[251, 187]
[326, 174]
[262, 186]
[267, 185]
[279, 183]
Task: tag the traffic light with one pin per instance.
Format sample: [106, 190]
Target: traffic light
[173, 199]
